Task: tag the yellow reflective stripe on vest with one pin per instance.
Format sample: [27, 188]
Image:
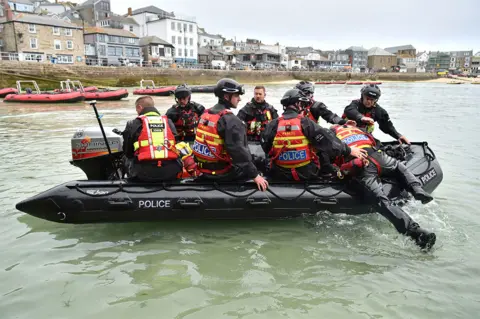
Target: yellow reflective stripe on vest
[269, 116]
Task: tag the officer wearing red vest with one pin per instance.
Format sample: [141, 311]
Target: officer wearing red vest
[220, 146]
[366, 112]
[292, 142]
[368, 173]
[185, 113]
[149, 144]
[257, 114]
[315, 109]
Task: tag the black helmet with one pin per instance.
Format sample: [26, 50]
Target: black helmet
[371, 90]
[306, 87]
[182, 91]
[228, 86]
[291, 97]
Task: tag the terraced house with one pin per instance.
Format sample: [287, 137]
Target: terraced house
[111, 47]
[29, 37]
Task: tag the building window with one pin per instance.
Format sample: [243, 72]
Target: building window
[186, 52]
[33, 57]
[167, 51]
[65, 59]
[191, 41]
[105, 23]
[179, 52]
[56, 30]
[179, 26]
[173, 39]
[68, 32]
[31, 28]
[190, 27]
[185, 27]
[101, 38]
[70, 45]
[131, 28]
[173, 26]
[191, 53]
[131, 40]
[57, 44]
[104, 6]
[115, 51]
[102, 50]
[135, 52]
[33, 43]
[179, 40]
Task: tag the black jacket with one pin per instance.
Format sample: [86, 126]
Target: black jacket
[133, 129]
[356, 110]
[319, 109]
[323, 140]
[234, 134]
[174, 112]
[251, 109]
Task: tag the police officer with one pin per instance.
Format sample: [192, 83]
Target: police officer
[366, 112]
[292, 140]
[156, 161]
[315, 109]
[257, 114]
[220, 146]
[185, 113]
[367, 174]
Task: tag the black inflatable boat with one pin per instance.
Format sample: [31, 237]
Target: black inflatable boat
[101, 198]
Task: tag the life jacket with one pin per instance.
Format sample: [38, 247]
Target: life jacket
[368, 127]
[256, 126]
[353, 136]
[291, 149]
[156, 141]
[209, 147]
[306, 113]
[186, 123]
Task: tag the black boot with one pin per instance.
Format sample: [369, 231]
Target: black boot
[423, 238]
[421, 195]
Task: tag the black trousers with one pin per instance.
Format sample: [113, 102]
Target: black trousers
[369, 180]
[305, 173]
[151, 172]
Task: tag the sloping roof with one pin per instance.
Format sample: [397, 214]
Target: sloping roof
[379, 51]
[214, 36]
[356, 49]
[258, 52]
[153, 40]
[110, 31]
[122, 19]
[42, 20]
[152, 9]
[420, 53]
[228, 42]
[394, 50]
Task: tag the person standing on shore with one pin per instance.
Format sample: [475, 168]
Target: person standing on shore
[257, 114]
[365, 112]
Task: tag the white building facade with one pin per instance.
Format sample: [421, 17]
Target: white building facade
[181, 32]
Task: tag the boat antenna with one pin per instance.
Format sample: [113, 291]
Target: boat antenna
[114, 165]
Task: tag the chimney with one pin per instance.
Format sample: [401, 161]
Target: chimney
[129, 12]
[8, 12]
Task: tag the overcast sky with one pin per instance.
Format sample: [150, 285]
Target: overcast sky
[426, 24]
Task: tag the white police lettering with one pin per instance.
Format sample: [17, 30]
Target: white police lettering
[355, 138]
[427, 177]
[203, 149]
[293, 156]
[154, 203]
[96, 192]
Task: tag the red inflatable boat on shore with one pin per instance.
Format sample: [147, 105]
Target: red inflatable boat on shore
[6, 91]
[92, 92]
[35, 96]
[147, 87]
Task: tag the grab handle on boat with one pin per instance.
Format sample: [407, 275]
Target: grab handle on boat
[185, 203]
[264, 201]
[326, 201]
[120, 203]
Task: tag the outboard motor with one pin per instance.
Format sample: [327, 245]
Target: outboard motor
[90, 153]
